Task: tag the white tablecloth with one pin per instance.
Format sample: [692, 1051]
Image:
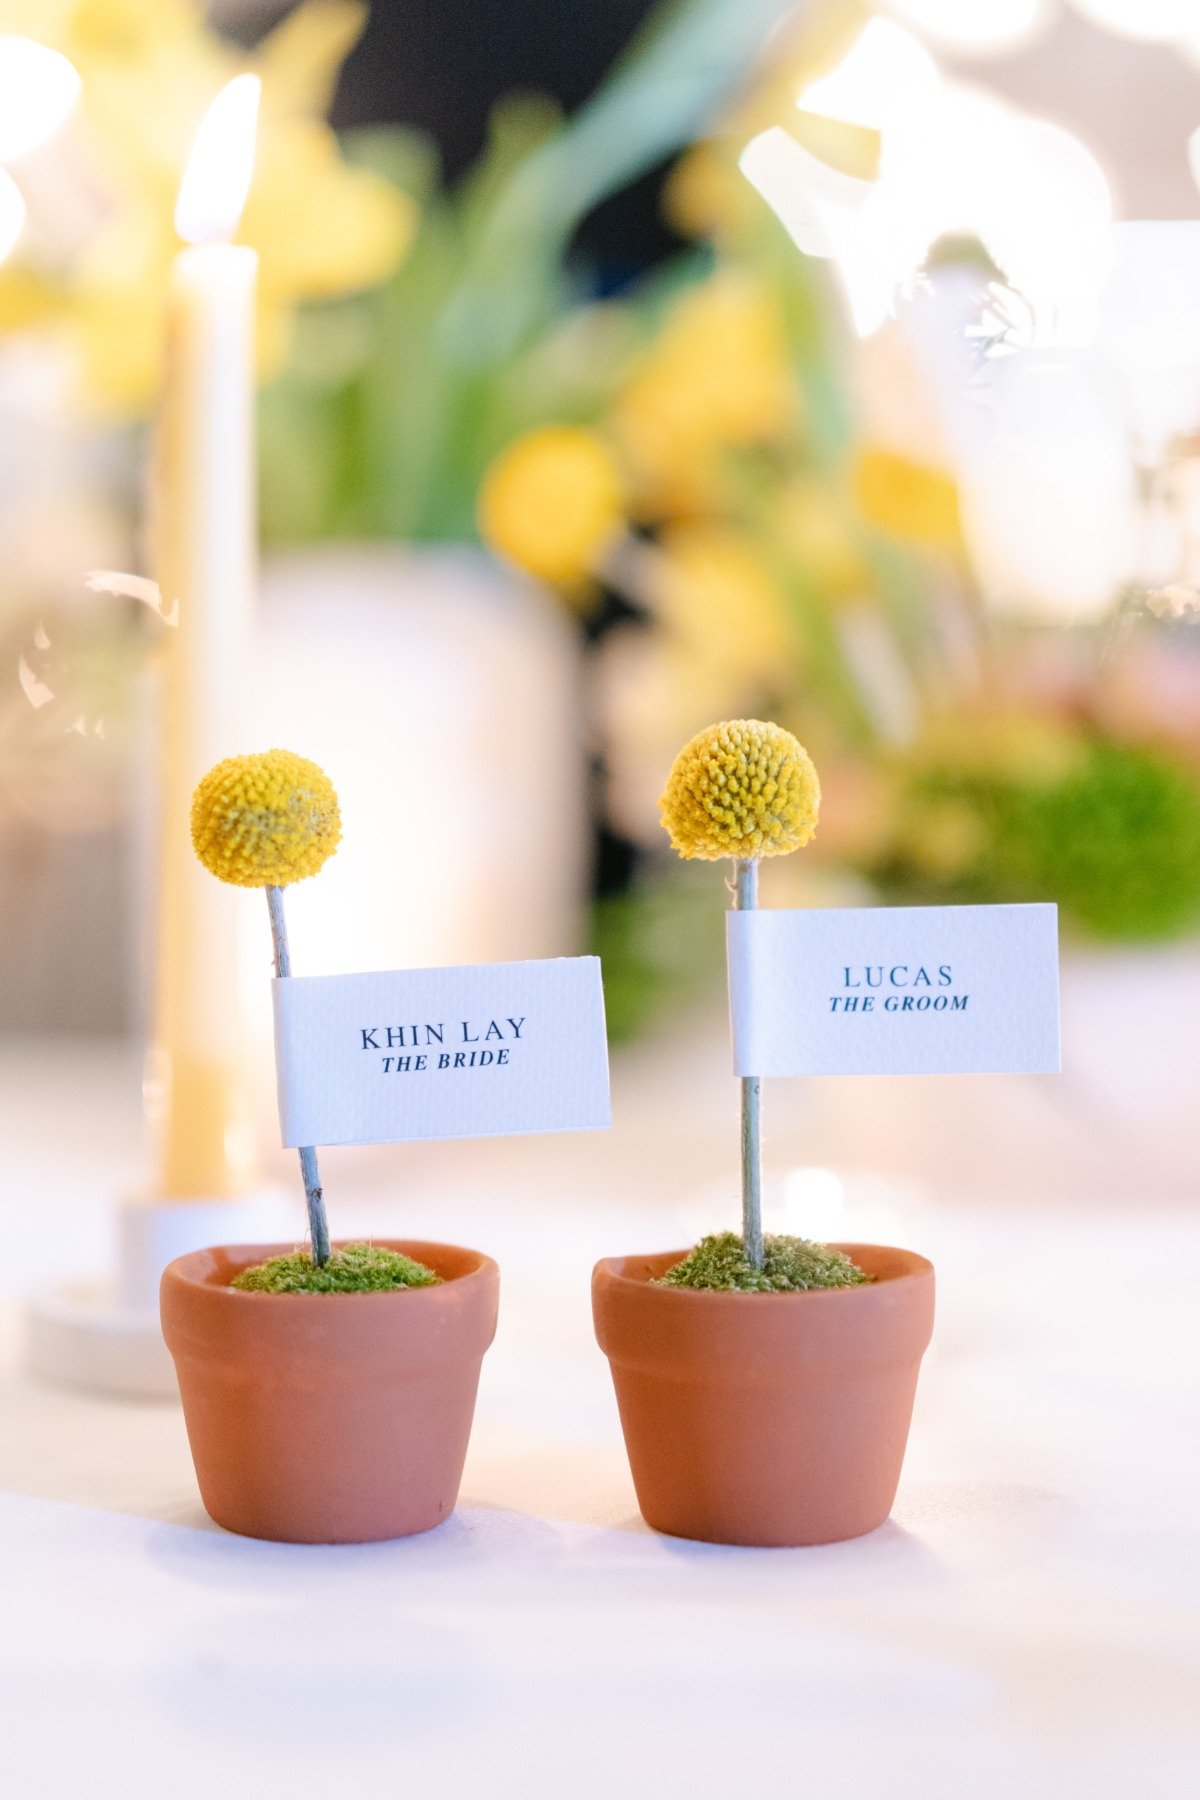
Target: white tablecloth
[1027, 1624]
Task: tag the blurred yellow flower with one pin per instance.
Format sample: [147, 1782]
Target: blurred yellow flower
[150, 68]
[716, 377]
[813, 520]
[552, 503]
[706, 194]
[853, 150]
[652, 693]
[908, 499]
[709, 587]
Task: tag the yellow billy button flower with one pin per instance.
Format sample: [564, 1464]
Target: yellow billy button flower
[743, 789]
[265, 820]
[552, 503]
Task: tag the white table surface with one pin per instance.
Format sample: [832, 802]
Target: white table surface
[1027, 1624]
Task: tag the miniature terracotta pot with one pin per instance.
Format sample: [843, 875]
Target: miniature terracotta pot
[765, 1418]
[328, 1418]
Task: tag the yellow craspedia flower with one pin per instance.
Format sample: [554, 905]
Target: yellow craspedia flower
[742, 788]
[552, 503]
[265, 820]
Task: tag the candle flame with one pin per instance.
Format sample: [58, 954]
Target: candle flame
[216, 178]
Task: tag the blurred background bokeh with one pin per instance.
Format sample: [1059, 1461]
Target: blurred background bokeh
[624, 368]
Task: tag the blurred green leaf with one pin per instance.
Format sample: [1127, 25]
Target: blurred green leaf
[472, 339]
[662, 946]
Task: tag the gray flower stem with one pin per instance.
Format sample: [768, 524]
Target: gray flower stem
[314, 1198]
[746, 890]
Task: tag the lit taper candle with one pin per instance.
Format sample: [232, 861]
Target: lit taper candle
[205, 544]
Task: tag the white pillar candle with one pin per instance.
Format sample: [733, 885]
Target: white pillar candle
[205, 551]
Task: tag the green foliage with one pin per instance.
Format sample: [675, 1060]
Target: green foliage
[395, 402]
[662, 946]
[790, 1265]
[358, 1269]
[1113, 836]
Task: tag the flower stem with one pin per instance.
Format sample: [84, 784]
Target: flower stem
[752, 1231]
[313, 1195]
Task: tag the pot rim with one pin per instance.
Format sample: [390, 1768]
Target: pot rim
[193, 1271]
[917, 1267]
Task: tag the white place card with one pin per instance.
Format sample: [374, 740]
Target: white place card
[484, 1051]
[905, 990]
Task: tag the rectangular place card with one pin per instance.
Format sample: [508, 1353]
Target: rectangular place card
[486, 1051]
[905, 990]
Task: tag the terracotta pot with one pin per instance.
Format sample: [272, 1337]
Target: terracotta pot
[328, 1418]
[765, 1418]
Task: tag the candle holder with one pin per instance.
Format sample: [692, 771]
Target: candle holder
[104, 1337]
[765, 1384]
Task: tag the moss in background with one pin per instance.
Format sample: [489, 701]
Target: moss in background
[790, 1265]
[358, 1269]
[1117, 842]
[1113, 836]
